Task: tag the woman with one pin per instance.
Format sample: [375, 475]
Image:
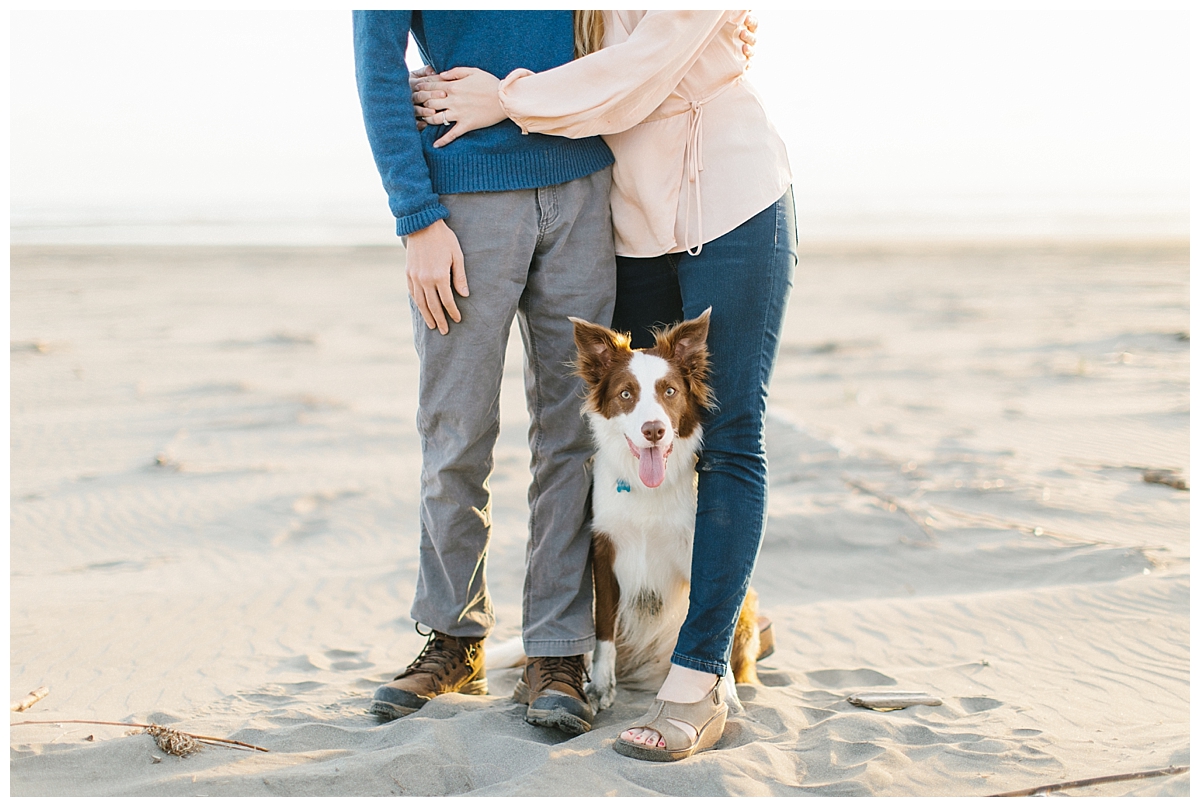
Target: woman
[702, 216]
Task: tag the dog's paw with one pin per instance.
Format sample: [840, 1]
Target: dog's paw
[601, 690]
[600, 696]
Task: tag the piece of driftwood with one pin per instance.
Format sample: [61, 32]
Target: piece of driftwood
[889, 701]
[1042, 790]
[154, 730]
[29, 700]
[1160, 476]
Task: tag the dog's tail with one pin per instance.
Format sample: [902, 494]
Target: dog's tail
[504, 654]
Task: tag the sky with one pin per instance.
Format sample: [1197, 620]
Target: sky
[245, 126]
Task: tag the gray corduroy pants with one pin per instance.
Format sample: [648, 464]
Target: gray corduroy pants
[540, 255]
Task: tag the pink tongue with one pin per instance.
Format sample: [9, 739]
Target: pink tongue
[652, 467]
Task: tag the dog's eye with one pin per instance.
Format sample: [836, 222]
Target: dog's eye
[670, 392]
[626, 394]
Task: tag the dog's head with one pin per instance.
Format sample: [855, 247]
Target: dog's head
[652, 396]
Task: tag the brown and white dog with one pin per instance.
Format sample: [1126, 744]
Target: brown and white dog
[645, 409]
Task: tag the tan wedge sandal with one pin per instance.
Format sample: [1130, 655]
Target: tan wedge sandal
[706, 715]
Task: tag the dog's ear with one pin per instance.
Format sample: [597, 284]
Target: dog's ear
[597, 348]
[686, 343]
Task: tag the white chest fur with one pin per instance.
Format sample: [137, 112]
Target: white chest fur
[651, 532]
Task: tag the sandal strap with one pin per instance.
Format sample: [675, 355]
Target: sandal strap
[697, 715]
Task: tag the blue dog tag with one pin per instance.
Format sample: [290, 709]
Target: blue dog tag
[623, 486]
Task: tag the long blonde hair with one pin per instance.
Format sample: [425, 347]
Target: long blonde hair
[589, 32]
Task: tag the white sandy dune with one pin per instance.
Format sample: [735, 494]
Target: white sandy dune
[213, 526]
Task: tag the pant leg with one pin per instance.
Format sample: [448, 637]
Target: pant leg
[745, 276]
[647, 297]
[458, 408]
[573, 274]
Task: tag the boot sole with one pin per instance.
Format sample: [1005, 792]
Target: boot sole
[559, 719]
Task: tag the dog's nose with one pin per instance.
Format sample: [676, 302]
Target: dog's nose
[653, 430]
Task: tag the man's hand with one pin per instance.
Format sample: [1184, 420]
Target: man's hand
[413, 78]
[433, 259]
[467, 96]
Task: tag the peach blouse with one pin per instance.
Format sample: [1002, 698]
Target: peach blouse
[696, 155]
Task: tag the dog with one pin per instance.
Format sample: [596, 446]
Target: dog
[645, 409]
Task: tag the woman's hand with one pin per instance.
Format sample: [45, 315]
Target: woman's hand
[467, 96]
[746, 32]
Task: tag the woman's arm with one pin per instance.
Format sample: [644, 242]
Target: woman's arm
[608, 91]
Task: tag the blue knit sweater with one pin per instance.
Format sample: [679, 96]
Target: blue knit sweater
[498, 158]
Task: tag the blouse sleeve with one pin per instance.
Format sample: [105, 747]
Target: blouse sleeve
[615, 88]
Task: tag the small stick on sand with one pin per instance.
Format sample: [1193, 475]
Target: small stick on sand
[861, 486]
[1042, 790]
[200, 737]
[29, 700]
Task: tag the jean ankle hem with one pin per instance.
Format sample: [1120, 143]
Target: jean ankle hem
[697, 664]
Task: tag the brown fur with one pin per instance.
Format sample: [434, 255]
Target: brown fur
[608, 590]
[743, 660]
[685, 349]
[601, 356]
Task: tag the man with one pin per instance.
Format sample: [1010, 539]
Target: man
[498, 224]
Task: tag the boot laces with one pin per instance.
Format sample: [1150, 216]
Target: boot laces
[440, 654]
[567, 670]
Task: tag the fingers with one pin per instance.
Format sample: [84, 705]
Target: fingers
[426, 95]
[457, 73]
[456, 131]
[416, 76]
[434, 297]
[458, 274]
[434, 84]
[746, 33]
[446, 297]
[433, 303]
[418, 295]
[748, 41]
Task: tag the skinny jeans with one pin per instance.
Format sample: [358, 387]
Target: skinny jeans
[746, 277]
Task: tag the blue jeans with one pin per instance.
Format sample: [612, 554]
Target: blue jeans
[745, 276]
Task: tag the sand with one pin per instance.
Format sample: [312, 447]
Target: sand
[213, 526]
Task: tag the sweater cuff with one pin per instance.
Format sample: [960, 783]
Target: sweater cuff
[419, 221]
[505, 83]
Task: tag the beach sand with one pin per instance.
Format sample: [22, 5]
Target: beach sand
[214, 492]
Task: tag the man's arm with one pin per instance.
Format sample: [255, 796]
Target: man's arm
[434, 258]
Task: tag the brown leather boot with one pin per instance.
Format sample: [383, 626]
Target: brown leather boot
[447, 664]
[553, 688]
